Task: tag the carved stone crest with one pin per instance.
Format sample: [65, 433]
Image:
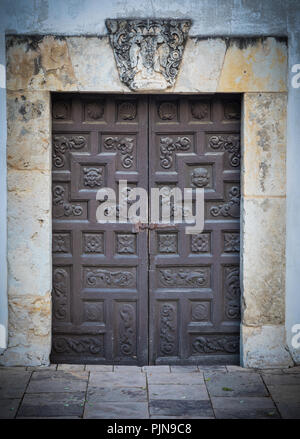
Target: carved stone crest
[148, 52]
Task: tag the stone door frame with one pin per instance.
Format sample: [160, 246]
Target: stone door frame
[256, 68]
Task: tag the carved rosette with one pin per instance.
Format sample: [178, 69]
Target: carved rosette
[148, 52]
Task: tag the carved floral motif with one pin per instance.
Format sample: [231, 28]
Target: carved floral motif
[167, 243]
[124, 145]
[125, 243]
[109, 279]
[148, 52]
[231, 208]
[230, 143]
[167, 329]
[61, 243]
[231, 242]
[184, 277]
[93, 243]
[127, 330]
[200, 243]
[168, 146]
[210, 345]
[93, 177]
[62, 144]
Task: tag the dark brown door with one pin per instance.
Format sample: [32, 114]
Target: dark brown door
[104, 311]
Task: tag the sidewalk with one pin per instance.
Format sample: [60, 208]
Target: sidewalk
[78, 391]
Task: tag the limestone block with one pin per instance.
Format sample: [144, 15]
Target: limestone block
[28, 130]
[201, 66]
[263, 261]
[94, 65]
[29, 331]
[39, 63]
[264, 347]
[254, 65]
[264, 144]
[29, 232]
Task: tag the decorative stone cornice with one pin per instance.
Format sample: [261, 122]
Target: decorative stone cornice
[148, 52]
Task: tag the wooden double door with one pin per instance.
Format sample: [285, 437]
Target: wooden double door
[125, 295]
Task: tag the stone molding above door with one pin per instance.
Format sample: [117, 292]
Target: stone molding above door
[39, 65]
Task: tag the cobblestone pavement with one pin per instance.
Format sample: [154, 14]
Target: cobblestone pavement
[121, 392]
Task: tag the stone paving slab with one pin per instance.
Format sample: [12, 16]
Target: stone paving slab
[178, 392]
[285, 393]
[289, 410]
[281, 379]
[108, 379]
[244, 408]
[188, 379]
[126, 410]
[116, 394]
[57, 381]
[121, 392]
[13, 383]
[8, 408]
[52, 405]
[189, 408]
[234, 384]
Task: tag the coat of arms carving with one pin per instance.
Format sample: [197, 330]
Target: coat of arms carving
[148, 52]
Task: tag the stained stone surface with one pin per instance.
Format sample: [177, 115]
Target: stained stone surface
[88, 64]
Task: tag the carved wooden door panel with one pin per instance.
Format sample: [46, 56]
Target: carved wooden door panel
[194, 279]
[100, 272]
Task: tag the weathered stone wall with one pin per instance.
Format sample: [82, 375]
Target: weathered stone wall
[36, 66]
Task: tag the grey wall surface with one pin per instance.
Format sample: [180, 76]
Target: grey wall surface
[210, 18]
